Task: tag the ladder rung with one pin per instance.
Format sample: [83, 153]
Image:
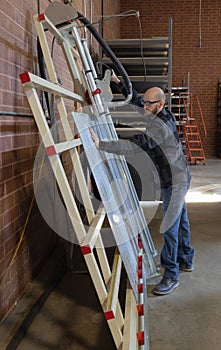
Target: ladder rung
[180, 122]
[197, 158]
[189, 119]
[196, 149]
[194, 141]
[65, 146]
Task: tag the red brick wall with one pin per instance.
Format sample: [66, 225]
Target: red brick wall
[19, 141]
[201, 61]
[111, 26]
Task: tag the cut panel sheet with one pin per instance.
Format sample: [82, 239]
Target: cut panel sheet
[118, 197]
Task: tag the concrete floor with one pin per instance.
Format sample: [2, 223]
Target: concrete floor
[188, 319]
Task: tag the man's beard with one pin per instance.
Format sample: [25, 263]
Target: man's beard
[150, 113]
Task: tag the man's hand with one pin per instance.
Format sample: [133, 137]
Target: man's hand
[114, 77]
[94, 137]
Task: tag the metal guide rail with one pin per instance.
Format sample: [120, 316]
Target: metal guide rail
[128, 227]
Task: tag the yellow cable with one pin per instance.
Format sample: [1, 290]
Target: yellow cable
[23, 232]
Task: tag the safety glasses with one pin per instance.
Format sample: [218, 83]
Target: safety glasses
[149, 103]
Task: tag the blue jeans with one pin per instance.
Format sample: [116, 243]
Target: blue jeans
[176, 228]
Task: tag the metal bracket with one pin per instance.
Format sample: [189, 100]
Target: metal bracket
[59, 13]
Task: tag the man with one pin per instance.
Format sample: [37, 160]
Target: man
[162, 144]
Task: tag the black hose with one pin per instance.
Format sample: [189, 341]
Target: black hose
[48, 98]
[42, 69]
[108, 52]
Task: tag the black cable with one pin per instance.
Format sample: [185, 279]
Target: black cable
[43, 74]
[108, 52]
[16, 114]
[109, 18]
[42, 69]
[142, 49]
[39, 7]
[126, 13]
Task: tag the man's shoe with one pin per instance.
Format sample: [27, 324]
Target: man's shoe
[166, 286]
[186, 267]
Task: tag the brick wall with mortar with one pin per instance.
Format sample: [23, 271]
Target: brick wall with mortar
[196, 47]
[19, 142]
